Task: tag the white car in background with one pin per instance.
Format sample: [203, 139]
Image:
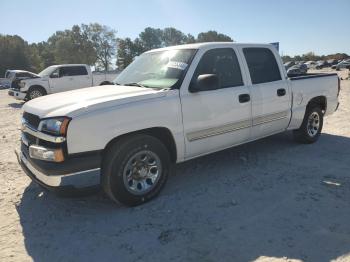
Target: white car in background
[14, 76]
[60, 78]
[310, 64]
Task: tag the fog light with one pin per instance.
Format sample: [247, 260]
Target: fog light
[42, 153]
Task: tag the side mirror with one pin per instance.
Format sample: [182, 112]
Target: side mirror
[205, 82]
[54, 75]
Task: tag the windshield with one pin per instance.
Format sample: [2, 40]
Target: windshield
[47, 71]
[160, 69]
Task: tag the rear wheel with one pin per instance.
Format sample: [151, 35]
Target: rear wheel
[311, 128]
[135, 169]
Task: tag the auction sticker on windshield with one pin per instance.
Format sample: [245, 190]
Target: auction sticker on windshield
[177, 65]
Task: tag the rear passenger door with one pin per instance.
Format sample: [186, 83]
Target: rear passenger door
[81, 77]
[270, 92]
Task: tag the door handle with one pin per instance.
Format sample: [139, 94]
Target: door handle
[281, 92]
[244, 98]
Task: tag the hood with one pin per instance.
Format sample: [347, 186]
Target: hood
[73, 103]
[34, 80]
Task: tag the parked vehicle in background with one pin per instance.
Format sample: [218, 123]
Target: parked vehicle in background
[322, 64]
[289, 64]
[297, 70]
[310, 64]
[332, 62]
[345, 64]
[168, 106]
[12, 77]
[60, 78]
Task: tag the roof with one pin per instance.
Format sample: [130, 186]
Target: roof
[69, 65]
[19, 71]
[208, 44]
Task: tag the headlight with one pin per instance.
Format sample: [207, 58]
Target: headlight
[55, 126]
[21, 84]
[42, 153]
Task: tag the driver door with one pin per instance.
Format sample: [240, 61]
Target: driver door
[60, 80]
[217, 119]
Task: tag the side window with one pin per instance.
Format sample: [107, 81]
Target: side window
[65, 71]
[21, 75]
[79, 70]
[73, 71]
[222, 62]
[262, 65]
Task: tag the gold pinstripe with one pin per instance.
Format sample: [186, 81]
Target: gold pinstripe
[227, 128]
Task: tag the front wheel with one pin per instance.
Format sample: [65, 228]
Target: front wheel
[34, 93]
[311, 128]
[135, 169]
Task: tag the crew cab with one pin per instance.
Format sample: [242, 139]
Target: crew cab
[168, 106]
[60, 78]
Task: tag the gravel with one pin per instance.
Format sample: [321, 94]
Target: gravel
[269, 200]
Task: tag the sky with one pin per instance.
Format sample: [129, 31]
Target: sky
[321, 26]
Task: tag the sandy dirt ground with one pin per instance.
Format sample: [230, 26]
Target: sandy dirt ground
[269, 200]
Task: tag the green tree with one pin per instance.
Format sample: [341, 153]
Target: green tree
[151, 38]
[104, 43]
[190, 39]
[72, 46]
[286, 58]
[172, 36]
[127, 51]
[13, 53]
[213, 36]
[46, 54]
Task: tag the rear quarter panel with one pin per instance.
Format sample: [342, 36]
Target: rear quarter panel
[304, 89]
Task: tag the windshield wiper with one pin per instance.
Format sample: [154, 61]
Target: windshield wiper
[135, 84]
[144, 86]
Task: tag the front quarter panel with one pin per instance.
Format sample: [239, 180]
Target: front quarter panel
[35, 82]
[94, 130]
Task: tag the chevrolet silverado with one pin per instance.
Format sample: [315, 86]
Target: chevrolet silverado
[168, 106]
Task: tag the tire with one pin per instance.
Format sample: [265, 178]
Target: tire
[35, 92]
[310, 129]
[135, 169]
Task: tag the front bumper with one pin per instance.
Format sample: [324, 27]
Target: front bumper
[58, 181]
[17, 94]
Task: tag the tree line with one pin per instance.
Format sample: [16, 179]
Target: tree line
[92, 44]
[311, 56]
[97, 45]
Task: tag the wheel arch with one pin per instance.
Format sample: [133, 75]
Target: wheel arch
[320, 101]
[37, 86]
[161, 133]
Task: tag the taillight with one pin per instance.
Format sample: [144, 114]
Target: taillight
[338, 86]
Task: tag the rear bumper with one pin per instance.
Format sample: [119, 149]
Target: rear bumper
[17, 94]
[59, 182]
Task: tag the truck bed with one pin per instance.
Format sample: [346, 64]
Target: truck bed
[312, 75]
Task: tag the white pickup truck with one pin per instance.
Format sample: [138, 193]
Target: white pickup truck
[60, 78]
[170, 105]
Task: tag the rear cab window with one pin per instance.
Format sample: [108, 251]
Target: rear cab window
[73, 71]
[262, 65]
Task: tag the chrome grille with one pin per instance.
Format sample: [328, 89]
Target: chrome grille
[31, 120]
